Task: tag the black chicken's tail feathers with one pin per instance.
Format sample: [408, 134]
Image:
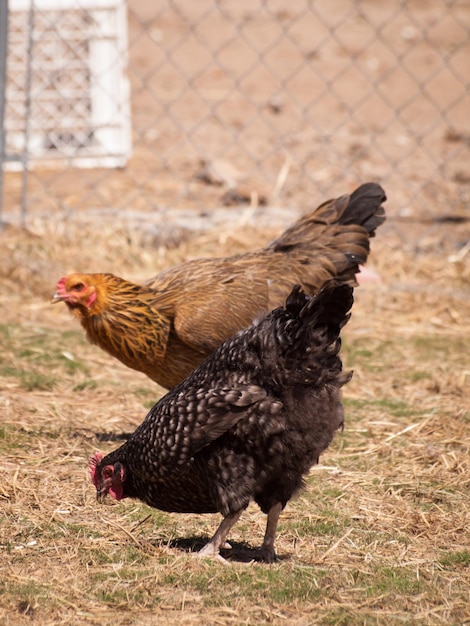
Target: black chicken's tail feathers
[308, 334]
[329, 308]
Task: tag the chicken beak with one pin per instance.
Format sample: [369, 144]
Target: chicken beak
[56, 298]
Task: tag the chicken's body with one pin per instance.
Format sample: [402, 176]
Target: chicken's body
[246, 425]
[167, 327]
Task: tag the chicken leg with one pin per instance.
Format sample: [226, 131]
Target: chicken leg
[267, 549]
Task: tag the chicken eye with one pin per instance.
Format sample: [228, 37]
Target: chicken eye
[78, 287]
[107, 472]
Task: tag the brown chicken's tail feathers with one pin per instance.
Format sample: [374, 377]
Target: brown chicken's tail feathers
[362, 208]
[307, 334]
[365, 207]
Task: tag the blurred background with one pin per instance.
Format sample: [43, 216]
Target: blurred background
[166, 108]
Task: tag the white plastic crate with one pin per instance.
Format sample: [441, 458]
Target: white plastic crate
[79, 92]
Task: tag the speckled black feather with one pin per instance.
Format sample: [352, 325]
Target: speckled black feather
[251, 420]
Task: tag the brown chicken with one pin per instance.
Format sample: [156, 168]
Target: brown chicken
[167, 327]
[246, 425]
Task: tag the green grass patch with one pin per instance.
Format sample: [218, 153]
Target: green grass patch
[327, 522]
[393, 580]
[275, 584]
[452, 558]
[89, 385]
[391, 406]
[13, 438]
[415, 351]
[40, 357]
[27, 593]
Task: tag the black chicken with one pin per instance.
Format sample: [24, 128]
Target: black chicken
[247, 424]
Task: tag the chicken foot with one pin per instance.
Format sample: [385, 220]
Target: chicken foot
[218, 540]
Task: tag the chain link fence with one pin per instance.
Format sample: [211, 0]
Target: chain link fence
[151, 106]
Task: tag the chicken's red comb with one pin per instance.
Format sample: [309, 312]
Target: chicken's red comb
[92, 463]
[61, 284]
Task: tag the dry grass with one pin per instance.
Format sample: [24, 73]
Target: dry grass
[381, 534]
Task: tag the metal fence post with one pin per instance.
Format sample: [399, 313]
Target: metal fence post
[29, 73]
[3, 88]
